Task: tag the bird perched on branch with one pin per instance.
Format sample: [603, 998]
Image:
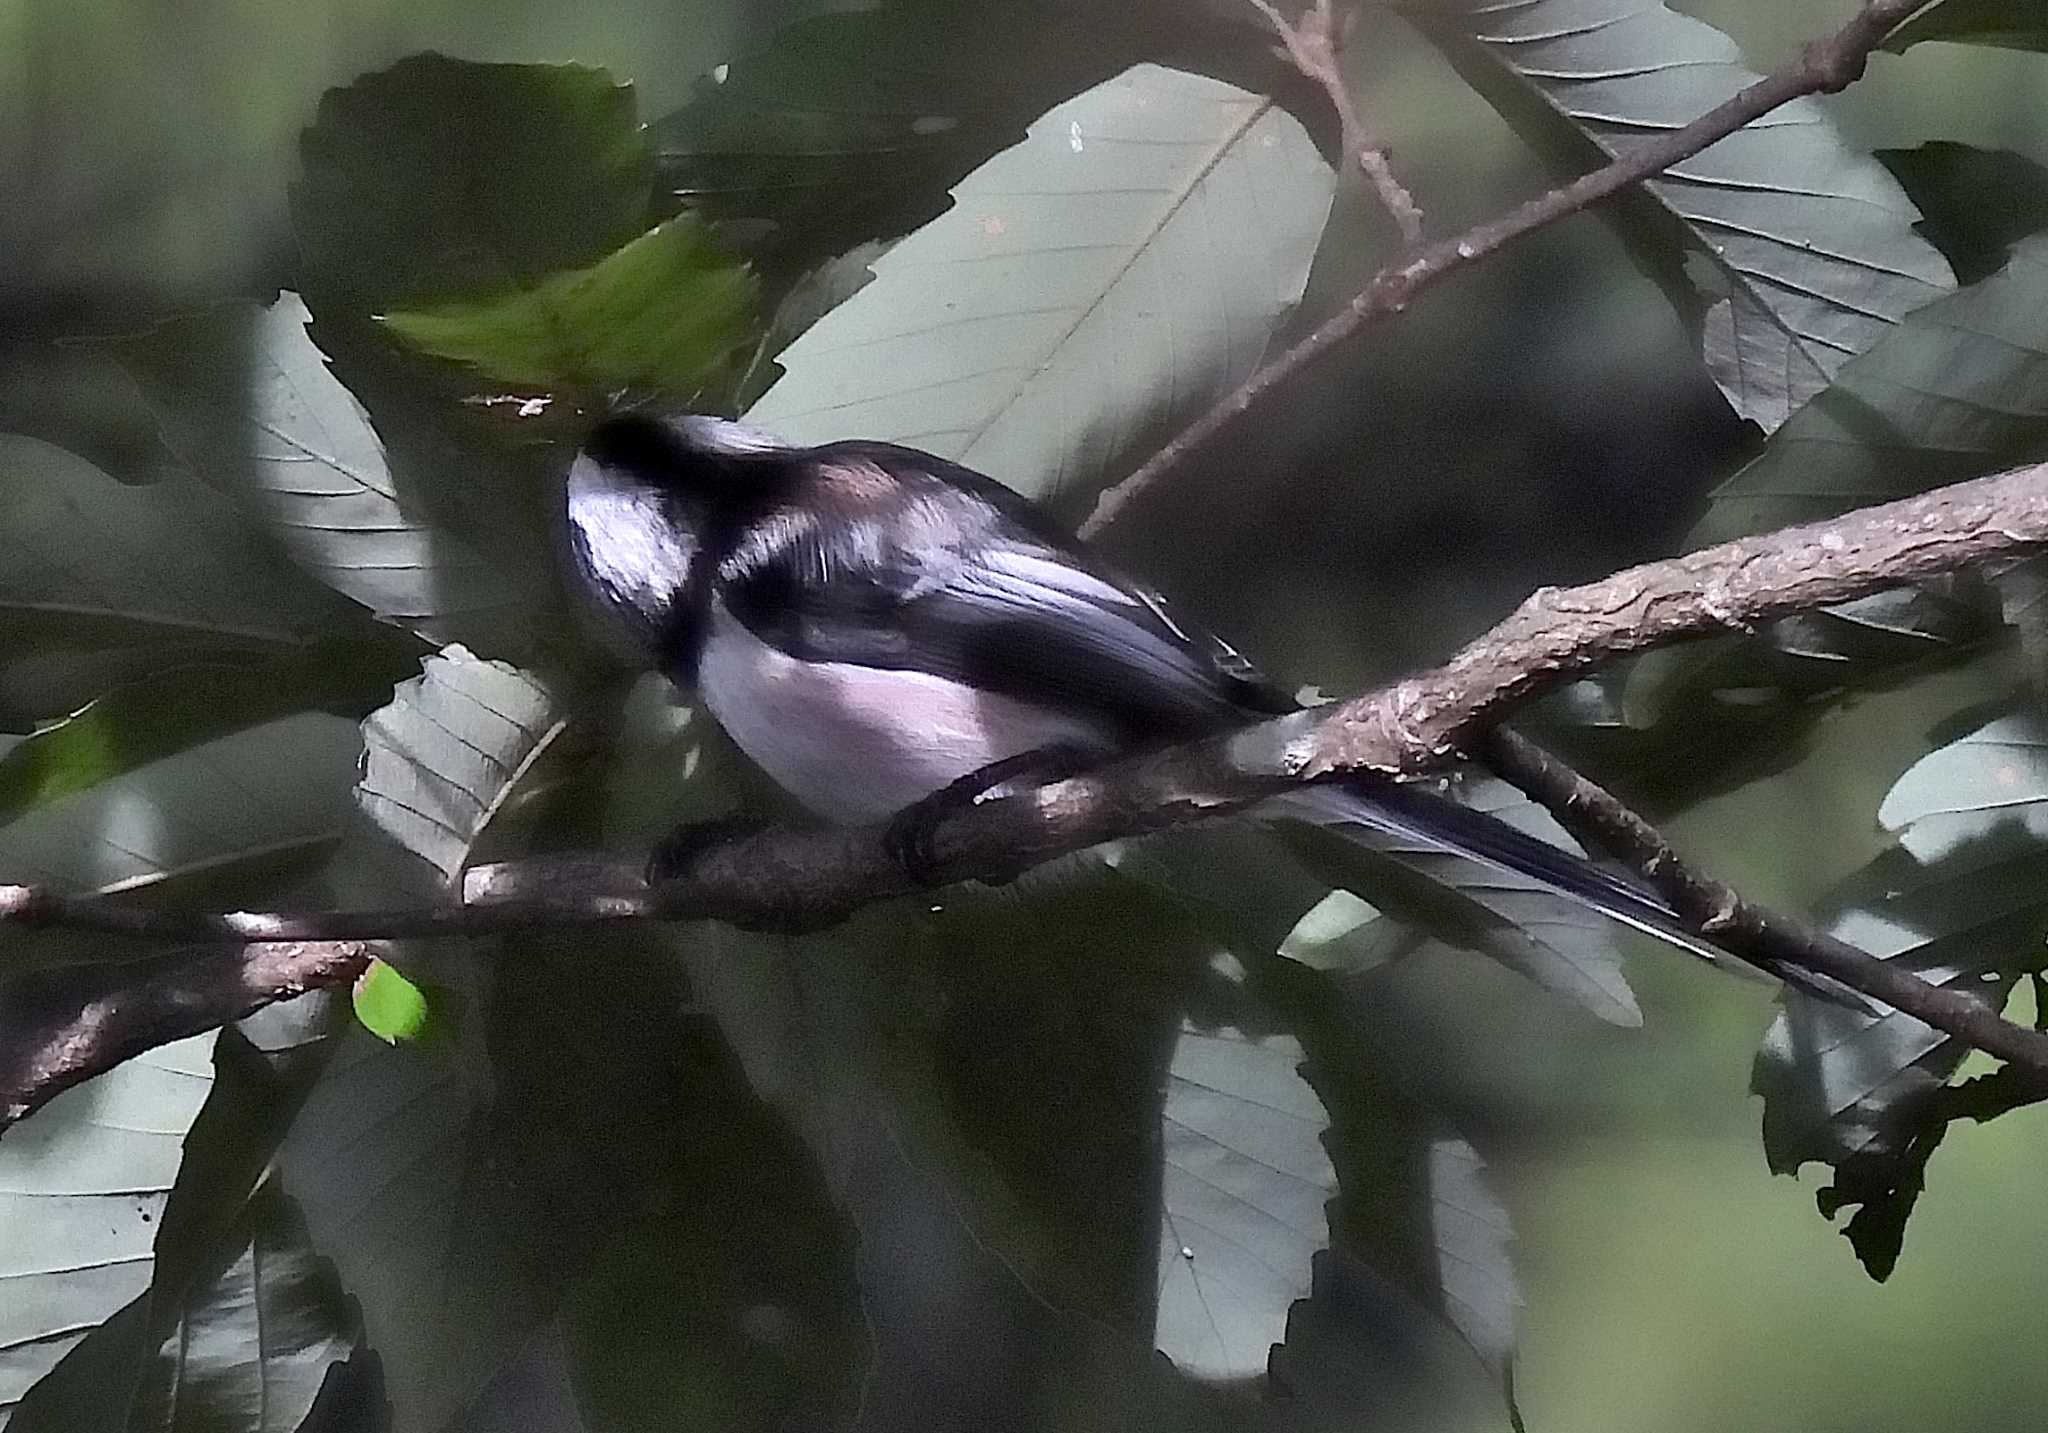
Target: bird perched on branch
[876, 626]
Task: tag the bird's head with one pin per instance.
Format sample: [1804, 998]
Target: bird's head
[643, 498]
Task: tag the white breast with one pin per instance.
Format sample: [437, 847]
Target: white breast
[857, 744]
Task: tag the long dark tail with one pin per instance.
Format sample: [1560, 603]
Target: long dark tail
[1413, 813]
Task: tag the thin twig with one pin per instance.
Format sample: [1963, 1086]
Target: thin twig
[1718, 912]
[795, 878]
[1824, 67]
[1312, 45]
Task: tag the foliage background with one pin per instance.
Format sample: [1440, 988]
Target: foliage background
[1496, 438]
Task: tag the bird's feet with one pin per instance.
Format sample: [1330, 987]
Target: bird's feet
[910, 831]
[681, 848]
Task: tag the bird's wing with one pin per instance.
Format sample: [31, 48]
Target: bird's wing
[996, 600]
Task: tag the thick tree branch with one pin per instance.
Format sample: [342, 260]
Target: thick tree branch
[796, 878]
[1311, 44]
[1825, 66]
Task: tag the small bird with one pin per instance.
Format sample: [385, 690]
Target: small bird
[873, 625]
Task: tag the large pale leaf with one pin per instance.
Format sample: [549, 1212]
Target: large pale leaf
[249, 403]
[1807, 242]
[1122, 265]
[82, 1192]
[444, 756]
[1244, 1183]
[101, 582]
[663, 313]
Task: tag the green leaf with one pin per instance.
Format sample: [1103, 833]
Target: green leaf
[1243, 1189]
[665, 313]
[248, 402]
[450, 749]
[389, 1006]
[2015, 24]
[441, 176]
[1804, 246]
[1118, 269]
[101, 582]
[83, 1187]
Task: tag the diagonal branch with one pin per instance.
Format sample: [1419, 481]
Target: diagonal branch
[797, 878]
[1824, 67]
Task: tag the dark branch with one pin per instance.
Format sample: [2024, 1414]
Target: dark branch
[1824, 67]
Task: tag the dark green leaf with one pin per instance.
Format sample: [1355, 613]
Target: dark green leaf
[250, 1348]
[732, 1303]
[664, 313]
[440, 176]
[849, 127]
[1164, 223]
[2015, 24]
[1956, 390]
[1978, 202]
[1803, 247]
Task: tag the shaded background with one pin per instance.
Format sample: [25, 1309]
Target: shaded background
[1538, 421]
